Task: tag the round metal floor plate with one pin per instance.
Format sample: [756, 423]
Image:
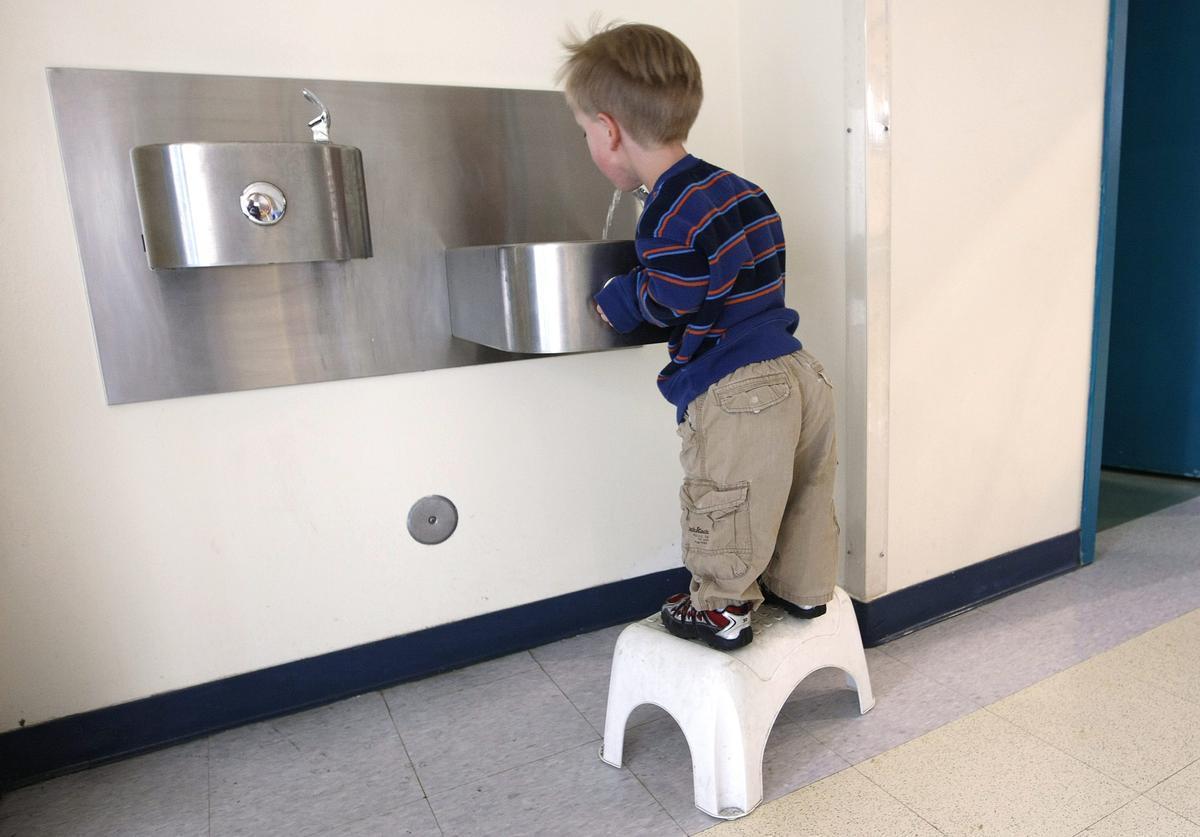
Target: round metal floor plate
[432, 519]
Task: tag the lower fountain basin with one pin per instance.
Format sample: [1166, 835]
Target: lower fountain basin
[537, 298]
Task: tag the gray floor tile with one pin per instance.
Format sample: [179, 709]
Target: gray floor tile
[479, 674]
[844, 804]
[310, 772]
[594, 644]
[469, 734]
[1125, 496]
[1101, 606]
[658, 754]
[584, 680]
[568, 793]
[795, 759]
[1082, 614]
[907, 704]
[982, 657]
[1147, 572]
[412, 820]
[580, 666]
[1154, 547]
[1184, 511]
[163, 793]
[1063, 594]
[1112, 618]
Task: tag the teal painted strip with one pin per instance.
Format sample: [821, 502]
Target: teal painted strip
[1114, 104]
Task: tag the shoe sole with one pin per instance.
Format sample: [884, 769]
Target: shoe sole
[707, 637]
[793, 609]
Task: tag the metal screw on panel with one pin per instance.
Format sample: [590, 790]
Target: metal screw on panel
[432, 519]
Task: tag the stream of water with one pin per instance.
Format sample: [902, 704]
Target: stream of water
[612, 209]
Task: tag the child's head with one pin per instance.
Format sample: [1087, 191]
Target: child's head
[642, 76]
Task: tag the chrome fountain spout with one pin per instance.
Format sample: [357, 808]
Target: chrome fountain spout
[640, 194]
[319, 123]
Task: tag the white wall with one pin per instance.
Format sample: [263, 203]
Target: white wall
[793, 117]
[152, 546]
[996, 129]
[148, 547]
[997, 117]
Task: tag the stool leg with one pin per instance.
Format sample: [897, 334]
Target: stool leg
[615, 718]
[854, 663]
[859, 679]
[850, 656]
[624, 695]
[726, 764]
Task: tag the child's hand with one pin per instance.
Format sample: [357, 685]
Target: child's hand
[600, 311]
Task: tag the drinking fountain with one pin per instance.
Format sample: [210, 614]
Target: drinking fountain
[536, 298]
[207, 204]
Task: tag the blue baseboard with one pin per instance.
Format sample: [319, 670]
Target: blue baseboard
[896, 614]
[66, 744]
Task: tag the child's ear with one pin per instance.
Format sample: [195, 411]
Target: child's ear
[614, 130]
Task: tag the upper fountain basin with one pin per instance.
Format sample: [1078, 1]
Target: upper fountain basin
[209, 204]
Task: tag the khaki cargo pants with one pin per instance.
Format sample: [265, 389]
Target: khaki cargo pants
[759, 459]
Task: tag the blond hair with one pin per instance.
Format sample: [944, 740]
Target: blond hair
[642, 76]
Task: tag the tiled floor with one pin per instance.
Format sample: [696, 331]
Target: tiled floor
[1069, 708]
[1126, 495]
[1111, 746]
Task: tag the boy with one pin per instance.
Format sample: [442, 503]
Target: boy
[755, 411]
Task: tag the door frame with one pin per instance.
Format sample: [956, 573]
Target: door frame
[1110, 170]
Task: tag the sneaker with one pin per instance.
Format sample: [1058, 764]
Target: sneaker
[794, 609]
[724, 629]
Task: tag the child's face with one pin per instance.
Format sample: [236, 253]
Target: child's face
[604, 141]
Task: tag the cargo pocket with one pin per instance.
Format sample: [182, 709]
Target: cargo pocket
[716, 528]
[754, 394]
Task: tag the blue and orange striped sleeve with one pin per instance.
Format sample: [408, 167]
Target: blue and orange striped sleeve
[670, 284]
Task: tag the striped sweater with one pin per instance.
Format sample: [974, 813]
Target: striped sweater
[710, 252]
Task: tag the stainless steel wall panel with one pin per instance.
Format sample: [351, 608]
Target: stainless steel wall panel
[444, 166]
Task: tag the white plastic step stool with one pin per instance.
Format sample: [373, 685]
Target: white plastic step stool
[726, 701]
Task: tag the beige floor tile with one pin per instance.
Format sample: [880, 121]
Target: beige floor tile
[1125, 728]
[843, 804]
[981, 775]
[1165, 657]
[1181, 792]
[1143, 818]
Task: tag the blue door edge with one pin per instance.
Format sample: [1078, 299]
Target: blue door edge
[1106, 239]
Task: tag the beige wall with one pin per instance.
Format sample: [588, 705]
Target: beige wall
[996, 134]
[793, 116]
[152, 546]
